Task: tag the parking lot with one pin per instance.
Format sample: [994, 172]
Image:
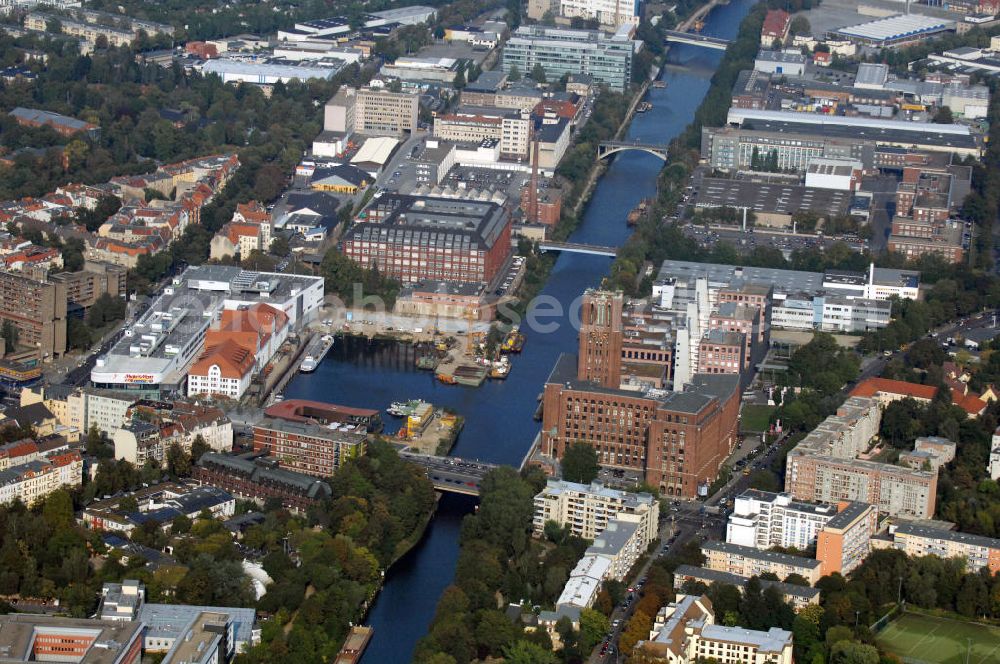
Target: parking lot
[509, 280]
[708, 237]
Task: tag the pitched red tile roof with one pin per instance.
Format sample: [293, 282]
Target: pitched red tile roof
[873, 386]
[234, 360]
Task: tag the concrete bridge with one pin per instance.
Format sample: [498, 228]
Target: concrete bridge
[578, 248]
[692, 39]
[608, 148]
[451, 474]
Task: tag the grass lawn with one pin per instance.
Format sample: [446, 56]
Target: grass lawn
[756, 418]
[918, 638]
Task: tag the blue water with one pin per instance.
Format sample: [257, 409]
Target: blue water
[499, 425]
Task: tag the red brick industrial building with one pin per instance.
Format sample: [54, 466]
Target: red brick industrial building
[418, 239]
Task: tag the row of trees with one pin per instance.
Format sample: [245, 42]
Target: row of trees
[378, 509]
[500, 563]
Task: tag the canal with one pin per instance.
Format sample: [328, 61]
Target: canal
[499, 425]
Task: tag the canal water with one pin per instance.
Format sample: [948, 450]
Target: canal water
[499, 425]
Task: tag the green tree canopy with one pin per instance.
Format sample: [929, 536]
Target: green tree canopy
[579, 463]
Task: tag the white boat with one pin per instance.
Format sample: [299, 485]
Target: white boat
[309, 364]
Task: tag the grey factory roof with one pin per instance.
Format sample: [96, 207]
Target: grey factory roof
[892, 28]
[308, 486]
[170, 620]
[550, 132]
[870, 73]
[750, 552]
[793, 124]
[858, 124]
[718, 576]
[781, 56]
[696, 396]
[773, 640]
[48, 117]
[781, 280]
[284, 69]
[720, 336]
[738, 310]
[949, 535]
[488, 81]
[433, 221]
[177, 318]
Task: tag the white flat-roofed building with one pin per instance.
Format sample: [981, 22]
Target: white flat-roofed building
[268, 73]
[317, 50]
[610, 13]
[410, 68]
[762, 519]
[895, 30]
[585, 582]
[588, 509]
[154, 354]
[993, 465]
[840, 174]
[780, 62]
[166, 624]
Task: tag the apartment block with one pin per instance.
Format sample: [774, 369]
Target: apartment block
[824, 466]
[371, 111]
[588, 509]
[978, 551]
[684, 632]
[309, 448]
[607, 58]
[748, 561]
[762, 520]
[895, 490]
[94, 280]
[39, 638]
[612, 555]
[38, 310]
[798, 596]
[32, 481]
[845, 540]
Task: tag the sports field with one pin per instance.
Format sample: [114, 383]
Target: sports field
[918, 638]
